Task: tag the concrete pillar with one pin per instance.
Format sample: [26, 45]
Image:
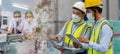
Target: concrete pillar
[113, 9]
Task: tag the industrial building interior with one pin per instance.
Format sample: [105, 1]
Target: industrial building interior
[50, 16]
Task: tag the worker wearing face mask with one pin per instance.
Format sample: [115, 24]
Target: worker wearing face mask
[90, 20]
[100, 41]
[26, 27]
[14, 23]
[77, 27]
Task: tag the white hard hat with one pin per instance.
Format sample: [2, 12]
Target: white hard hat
[80, 5]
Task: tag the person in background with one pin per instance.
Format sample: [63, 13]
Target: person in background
[26, 27]
[14, 23]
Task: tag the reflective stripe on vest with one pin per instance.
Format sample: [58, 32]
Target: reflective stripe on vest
[76, 33]
[95, 38]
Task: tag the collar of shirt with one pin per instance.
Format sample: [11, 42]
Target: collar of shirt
[97, 23]
[79, 23]
[76, 25]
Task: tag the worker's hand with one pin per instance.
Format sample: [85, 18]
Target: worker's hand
[84, 40]
[55, 38]
[76, 45]
[8, 32]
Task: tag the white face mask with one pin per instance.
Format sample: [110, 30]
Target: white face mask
[29, 19]
[90, 17]
[75, 18]
[17, 19]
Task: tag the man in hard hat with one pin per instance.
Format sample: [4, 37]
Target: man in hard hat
[77, 27]
[100, 41]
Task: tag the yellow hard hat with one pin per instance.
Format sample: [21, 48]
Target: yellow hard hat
[91, 3]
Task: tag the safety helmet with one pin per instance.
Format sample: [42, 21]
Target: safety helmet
[28, 12]
[80, 5]
[17, 12]
[92, 3]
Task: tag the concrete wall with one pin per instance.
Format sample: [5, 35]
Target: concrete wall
[110, 9]
[64, 11]
[114, 9]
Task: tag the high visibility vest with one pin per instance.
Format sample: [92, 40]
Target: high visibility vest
[95, 38]
[80, 30]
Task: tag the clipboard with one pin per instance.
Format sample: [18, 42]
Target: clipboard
[74, 39]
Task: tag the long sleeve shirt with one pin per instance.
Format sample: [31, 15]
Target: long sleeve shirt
[13, 26]
[105, 37]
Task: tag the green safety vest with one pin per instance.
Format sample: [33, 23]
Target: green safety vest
[81, 30]
[95, 38]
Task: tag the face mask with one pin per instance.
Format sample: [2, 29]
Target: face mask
[89, 16]
[29, 19]
[17, 19]
[75, 18]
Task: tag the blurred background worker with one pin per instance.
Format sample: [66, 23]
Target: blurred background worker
[14, 23]
[26, 27]
[77, 27]
[100, 41]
